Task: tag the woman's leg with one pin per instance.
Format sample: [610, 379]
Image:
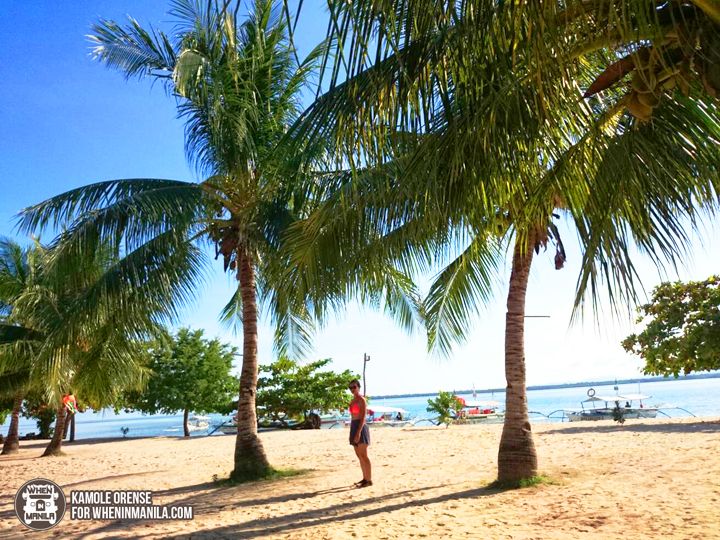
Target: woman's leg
[361, 451]
[360, 459]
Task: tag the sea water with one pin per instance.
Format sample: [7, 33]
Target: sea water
[699, 396]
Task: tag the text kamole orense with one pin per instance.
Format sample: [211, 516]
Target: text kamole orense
[106, 504]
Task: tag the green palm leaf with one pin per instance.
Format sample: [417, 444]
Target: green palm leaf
[459, 290]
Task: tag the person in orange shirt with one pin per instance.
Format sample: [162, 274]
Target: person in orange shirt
[70, 403]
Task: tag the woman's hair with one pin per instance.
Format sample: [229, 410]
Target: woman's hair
[354, 381]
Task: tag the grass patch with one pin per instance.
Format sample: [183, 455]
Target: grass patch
[270, 473]
[522, 483]
[286, 473]
[534, 481]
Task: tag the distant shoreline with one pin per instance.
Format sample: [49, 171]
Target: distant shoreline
[713, 375]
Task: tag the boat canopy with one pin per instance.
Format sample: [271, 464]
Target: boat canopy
[383, 409]
[617, 397]
[634, 397]
[481, 404]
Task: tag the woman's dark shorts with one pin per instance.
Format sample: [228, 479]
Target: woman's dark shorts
[364, 434]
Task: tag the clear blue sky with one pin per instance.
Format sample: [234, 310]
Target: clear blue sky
[66, 121]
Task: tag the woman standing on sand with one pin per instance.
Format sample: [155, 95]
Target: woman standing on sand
[360, 433]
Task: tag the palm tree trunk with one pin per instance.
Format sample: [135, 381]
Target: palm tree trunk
[12, 441]
[72, 427]
[517, 458]
[185, 422]
[250, 459]
[54, 448]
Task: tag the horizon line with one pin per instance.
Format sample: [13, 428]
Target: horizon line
[654, 378]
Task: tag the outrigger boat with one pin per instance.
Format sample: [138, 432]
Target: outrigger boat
[198, 423]
[380, 415]
[264, 424]
[613, 407]
[474, 411]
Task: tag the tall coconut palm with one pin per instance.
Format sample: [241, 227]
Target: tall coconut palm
[16, 276]
[77, 324]
[237, 84]
[13, 385]
[473, 112]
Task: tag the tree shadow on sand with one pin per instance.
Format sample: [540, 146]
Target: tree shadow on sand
[705, 426]
[225, 498]
[108, 477]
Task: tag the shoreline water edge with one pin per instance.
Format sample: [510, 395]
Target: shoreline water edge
[681, 398]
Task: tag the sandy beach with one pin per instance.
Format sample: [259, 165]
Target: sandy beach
[652, 479]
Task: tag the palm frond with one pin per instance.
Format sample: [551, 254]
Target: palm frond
[132, 50]
[294, 327]
[12, 382]
[10, 333]
[120, 213]
[647, 187]
[231, 313]
[459, 290]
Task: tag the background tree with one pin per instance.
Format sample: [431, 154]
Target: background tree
[446, 405]
[290, 391]
[18, 267]
[6, 408]
[80, 325]
[35, 407]
[682, 332]
[188, 373]
[13, 388]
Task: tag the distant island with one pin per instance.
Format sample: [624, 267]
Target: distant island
[711, 375]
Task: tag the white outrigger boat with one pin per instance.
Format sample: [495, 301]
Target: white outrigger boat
[198, 423]
[474, 411]
[613, 407]
[382, 416]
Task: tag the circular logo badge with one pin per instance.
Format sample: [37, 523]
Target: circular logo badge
[40, 504]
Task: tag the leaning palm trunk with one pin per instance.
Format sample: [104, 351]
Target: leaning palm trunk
[12, 441]
[517, 458]
[250, 459]
[54, 448]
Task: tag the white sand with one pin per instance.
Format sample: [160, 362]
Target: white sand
[646, 479]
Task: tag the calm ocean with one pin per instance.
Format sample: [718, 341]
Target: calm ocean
[699, 396]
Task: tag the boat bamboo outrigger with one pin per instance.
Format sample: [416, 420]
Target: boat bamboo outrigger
[614, 407]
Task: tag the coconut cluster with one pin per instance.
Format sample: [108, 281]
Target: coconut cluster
[648, 84]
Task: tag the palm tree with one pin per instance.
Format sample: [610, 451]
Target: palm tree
[14, 385]
[16, 276]
[469, 122]
[77, 324]
[237, 86]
